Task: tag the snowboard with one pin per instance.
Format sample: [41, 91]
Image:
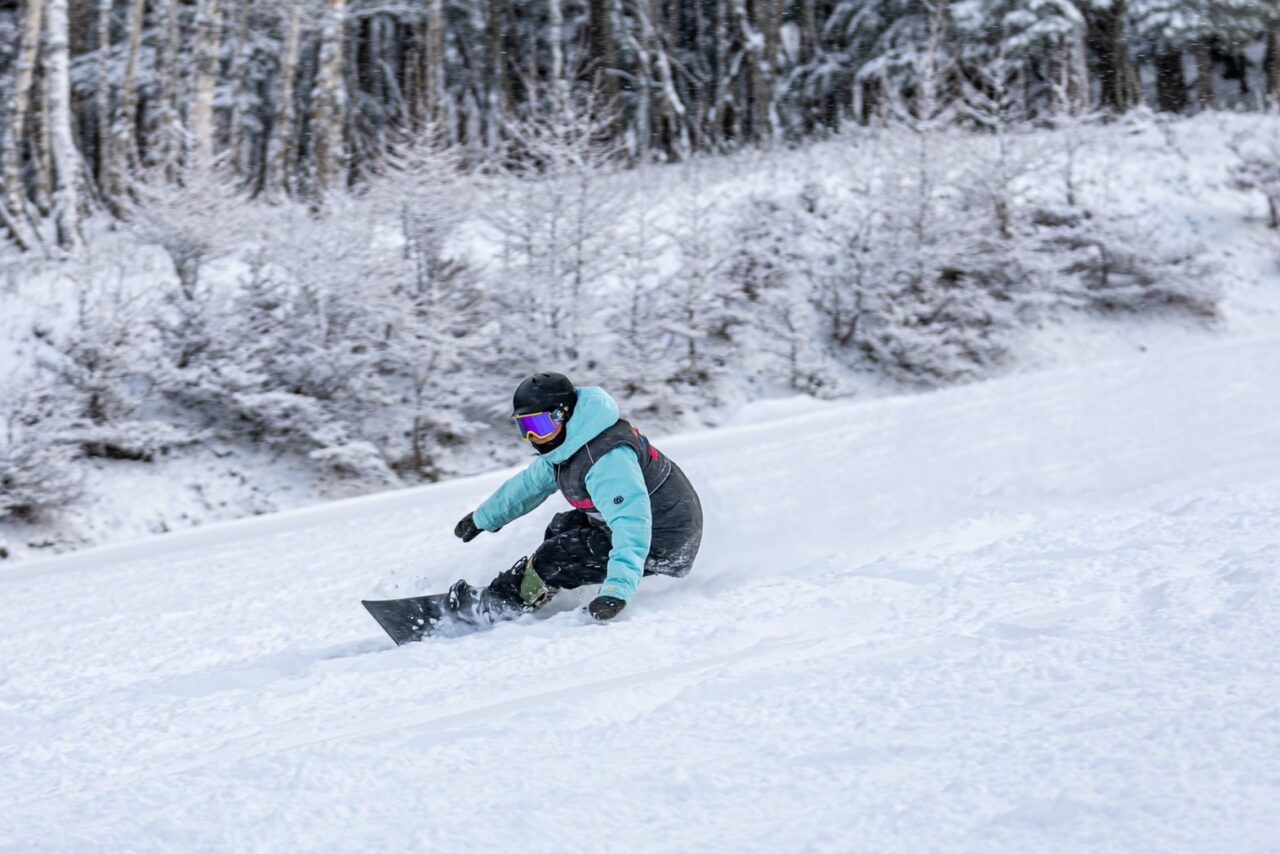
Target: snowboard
[412, 619]
[416, 617]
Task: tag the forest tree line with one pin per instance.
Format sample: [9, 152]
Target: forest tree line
[304, 97]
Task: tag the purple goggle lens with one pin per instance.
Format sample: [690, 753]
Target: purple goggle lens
[539, 425]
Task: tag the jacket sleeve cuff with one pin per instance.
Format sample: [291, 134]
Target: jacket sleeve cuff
[483, 522]
[617, 590]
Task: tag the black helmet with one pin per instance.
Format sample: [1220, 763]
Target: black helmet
[544, 392]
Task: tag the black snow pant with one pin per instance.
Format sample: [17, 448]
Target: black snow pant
[575, 548]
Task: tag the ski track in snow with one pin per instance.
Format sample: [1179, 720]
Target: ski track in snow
[1035, 613]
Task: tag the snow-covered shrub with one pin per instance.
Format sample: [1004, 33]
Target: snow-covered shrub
[133, 439]
[692, 319]
[36, 480]
[426, 192]
[555, 217]
[947, 286]
[641, 362]
[195, 216]
[347, 337]
[1258, 167]
[940, 285]
[1120, 267]
[96, 370]
[435, 310]
[355, 459]
[37, 472]
[769, 309]
[289, 356]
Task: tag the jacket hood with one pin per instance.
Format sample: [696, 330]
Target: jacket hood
[595, 412]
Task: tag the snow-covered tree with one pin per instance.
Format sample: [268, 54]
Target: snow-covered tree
[436, 313]
[774, 322]
[1122, 266]
[556, 217]
[312, 95]
[999, 154]
[291, 359]
[35, 478]
[195, 216]
[640, 364]
[1199, 27]
[1258, 167]
[1036, 42]
[695, 314]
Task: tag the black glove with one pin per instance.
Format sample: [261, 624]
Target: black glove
[605, 607]
[466, 529]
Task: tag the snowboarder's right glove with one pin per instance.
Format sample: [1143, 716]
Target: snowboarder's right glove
[604, 608]
[466, 530]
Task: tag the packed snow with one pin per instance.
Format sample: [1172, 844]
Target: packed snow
[1032, 613]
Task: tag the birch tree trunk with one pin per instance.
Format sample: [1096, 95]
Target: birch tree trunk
[1204, 74]
[124, 147]
[280, 153]
[814, 107]
[745, 47]
[555, 42]
[435, 79]
[41, 164]
[720, 91]
[66, 173]
[208, 43]
[167, 147]
[604, 56]
[239, 73]
[328, 155]
[669, 106]
[765, 20]
[102, 97]
[1273, 66]
[677, 112]
[1077, 89]
[20, 104]
[642, 85]
[497, 94]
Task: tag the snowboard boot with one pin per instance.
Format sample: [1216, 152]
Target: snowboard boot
[520, 588]
[517, 591]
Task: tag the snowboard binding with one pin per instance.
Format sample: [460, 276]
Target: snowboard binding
[513, 593]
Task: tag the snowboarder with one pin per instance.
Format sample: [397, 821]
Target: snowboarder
[635, 513]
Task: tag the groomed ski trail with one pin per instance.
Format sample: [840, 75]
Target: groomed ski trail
[1039, 612]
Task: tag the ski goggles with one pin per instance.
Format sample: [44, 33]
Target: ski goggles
[538, 426]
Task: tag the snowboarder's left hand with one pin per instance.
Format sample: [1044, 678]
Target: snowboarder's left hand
[605, 607]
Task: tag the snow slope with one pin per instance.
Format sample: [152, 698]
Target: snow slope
[1037, 613]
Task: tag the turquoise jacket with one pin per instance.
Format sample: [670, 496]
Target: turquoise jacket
[617, 473]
